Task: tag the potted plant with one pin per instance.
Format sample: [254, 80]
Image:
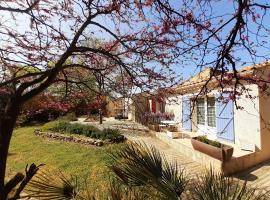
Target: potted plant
[212, 148]
[172, 132]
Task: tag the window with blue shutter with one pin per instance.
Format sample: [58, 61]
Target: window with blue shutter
[225, 118]
[186, 114]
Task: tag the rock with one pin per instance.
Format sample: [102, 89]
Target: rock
[69, 138]
[99, 143]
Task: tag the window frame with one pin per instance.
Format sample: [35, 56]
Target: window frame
[198, 113]
[206, 123]
[214, 111]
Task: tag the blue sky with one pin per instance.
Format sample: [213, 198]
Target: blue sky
[227, 7]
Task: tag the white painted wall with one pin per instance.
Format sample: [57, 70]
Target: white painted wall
[174, 105]
[247, 121]
[130, 109]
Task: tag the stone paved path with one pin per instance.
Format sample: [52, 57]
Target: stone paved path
[191, 167]
[258, 177]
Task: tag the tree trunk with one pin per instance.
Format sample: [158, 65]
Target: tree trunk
[100, 116]
[7, 123]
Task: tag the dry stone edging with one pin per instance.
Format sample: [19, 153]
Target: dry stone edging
[70, 138]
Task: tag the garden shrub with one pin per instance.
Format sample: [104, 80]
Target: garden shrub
[108, 133]
[88, 131]
[205, 140]
[74, 129]
[50, 125]
[97, 135]
[112, 135]
[60, 126]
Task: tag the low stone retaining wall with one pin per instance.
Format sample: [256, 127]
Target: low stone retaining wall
[71, 138]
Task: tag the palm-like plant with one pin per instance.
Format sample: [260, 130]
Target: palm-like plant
[144, 174]
[122, 192]
[139, 166]
[215, 186]
[47, 185]
[142, 166]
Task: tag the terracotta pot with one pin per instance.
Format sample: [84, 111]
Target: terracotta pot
[224, 153]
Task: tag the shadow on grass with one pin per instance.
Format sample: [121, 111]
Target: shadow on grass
[12, 154]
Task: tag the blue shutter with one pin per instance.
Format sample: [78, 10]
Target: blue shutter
[186, 114]
[224, 118]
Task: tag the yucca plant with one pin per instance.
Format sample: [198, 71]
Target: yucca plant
[215, 186]
[142, 173]
[15, 186]
[46, 185]
[142, 166]
[122, 192]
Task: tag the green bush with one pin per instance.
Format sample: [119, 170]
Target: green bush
[75, 129]
[69, 117]
[51, 125]
[61, 126]
[205, 140]
[107, 132]
[89, 130]
[113, 135]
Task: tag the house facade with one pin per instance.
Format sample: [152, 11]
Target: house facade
[243, 123]
[215, 114]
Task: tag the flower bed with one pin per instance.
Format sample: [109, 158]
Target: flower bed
[109, 135]
[156, 118]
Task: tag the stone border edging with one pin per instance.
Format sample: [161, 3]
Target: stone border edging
[70, 138]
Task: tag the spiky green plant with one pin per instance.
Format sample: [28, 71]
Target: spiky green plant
[215, 186]
[48, 185]
[139, 165]
[121, 192]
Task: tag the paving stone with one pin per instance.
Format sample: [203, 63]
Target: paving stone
[258, 177]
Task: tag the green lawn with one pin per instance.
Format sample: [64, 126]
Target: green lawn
[85, 162]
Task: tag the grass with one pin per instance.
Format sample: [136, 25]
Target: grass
[86, 162]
